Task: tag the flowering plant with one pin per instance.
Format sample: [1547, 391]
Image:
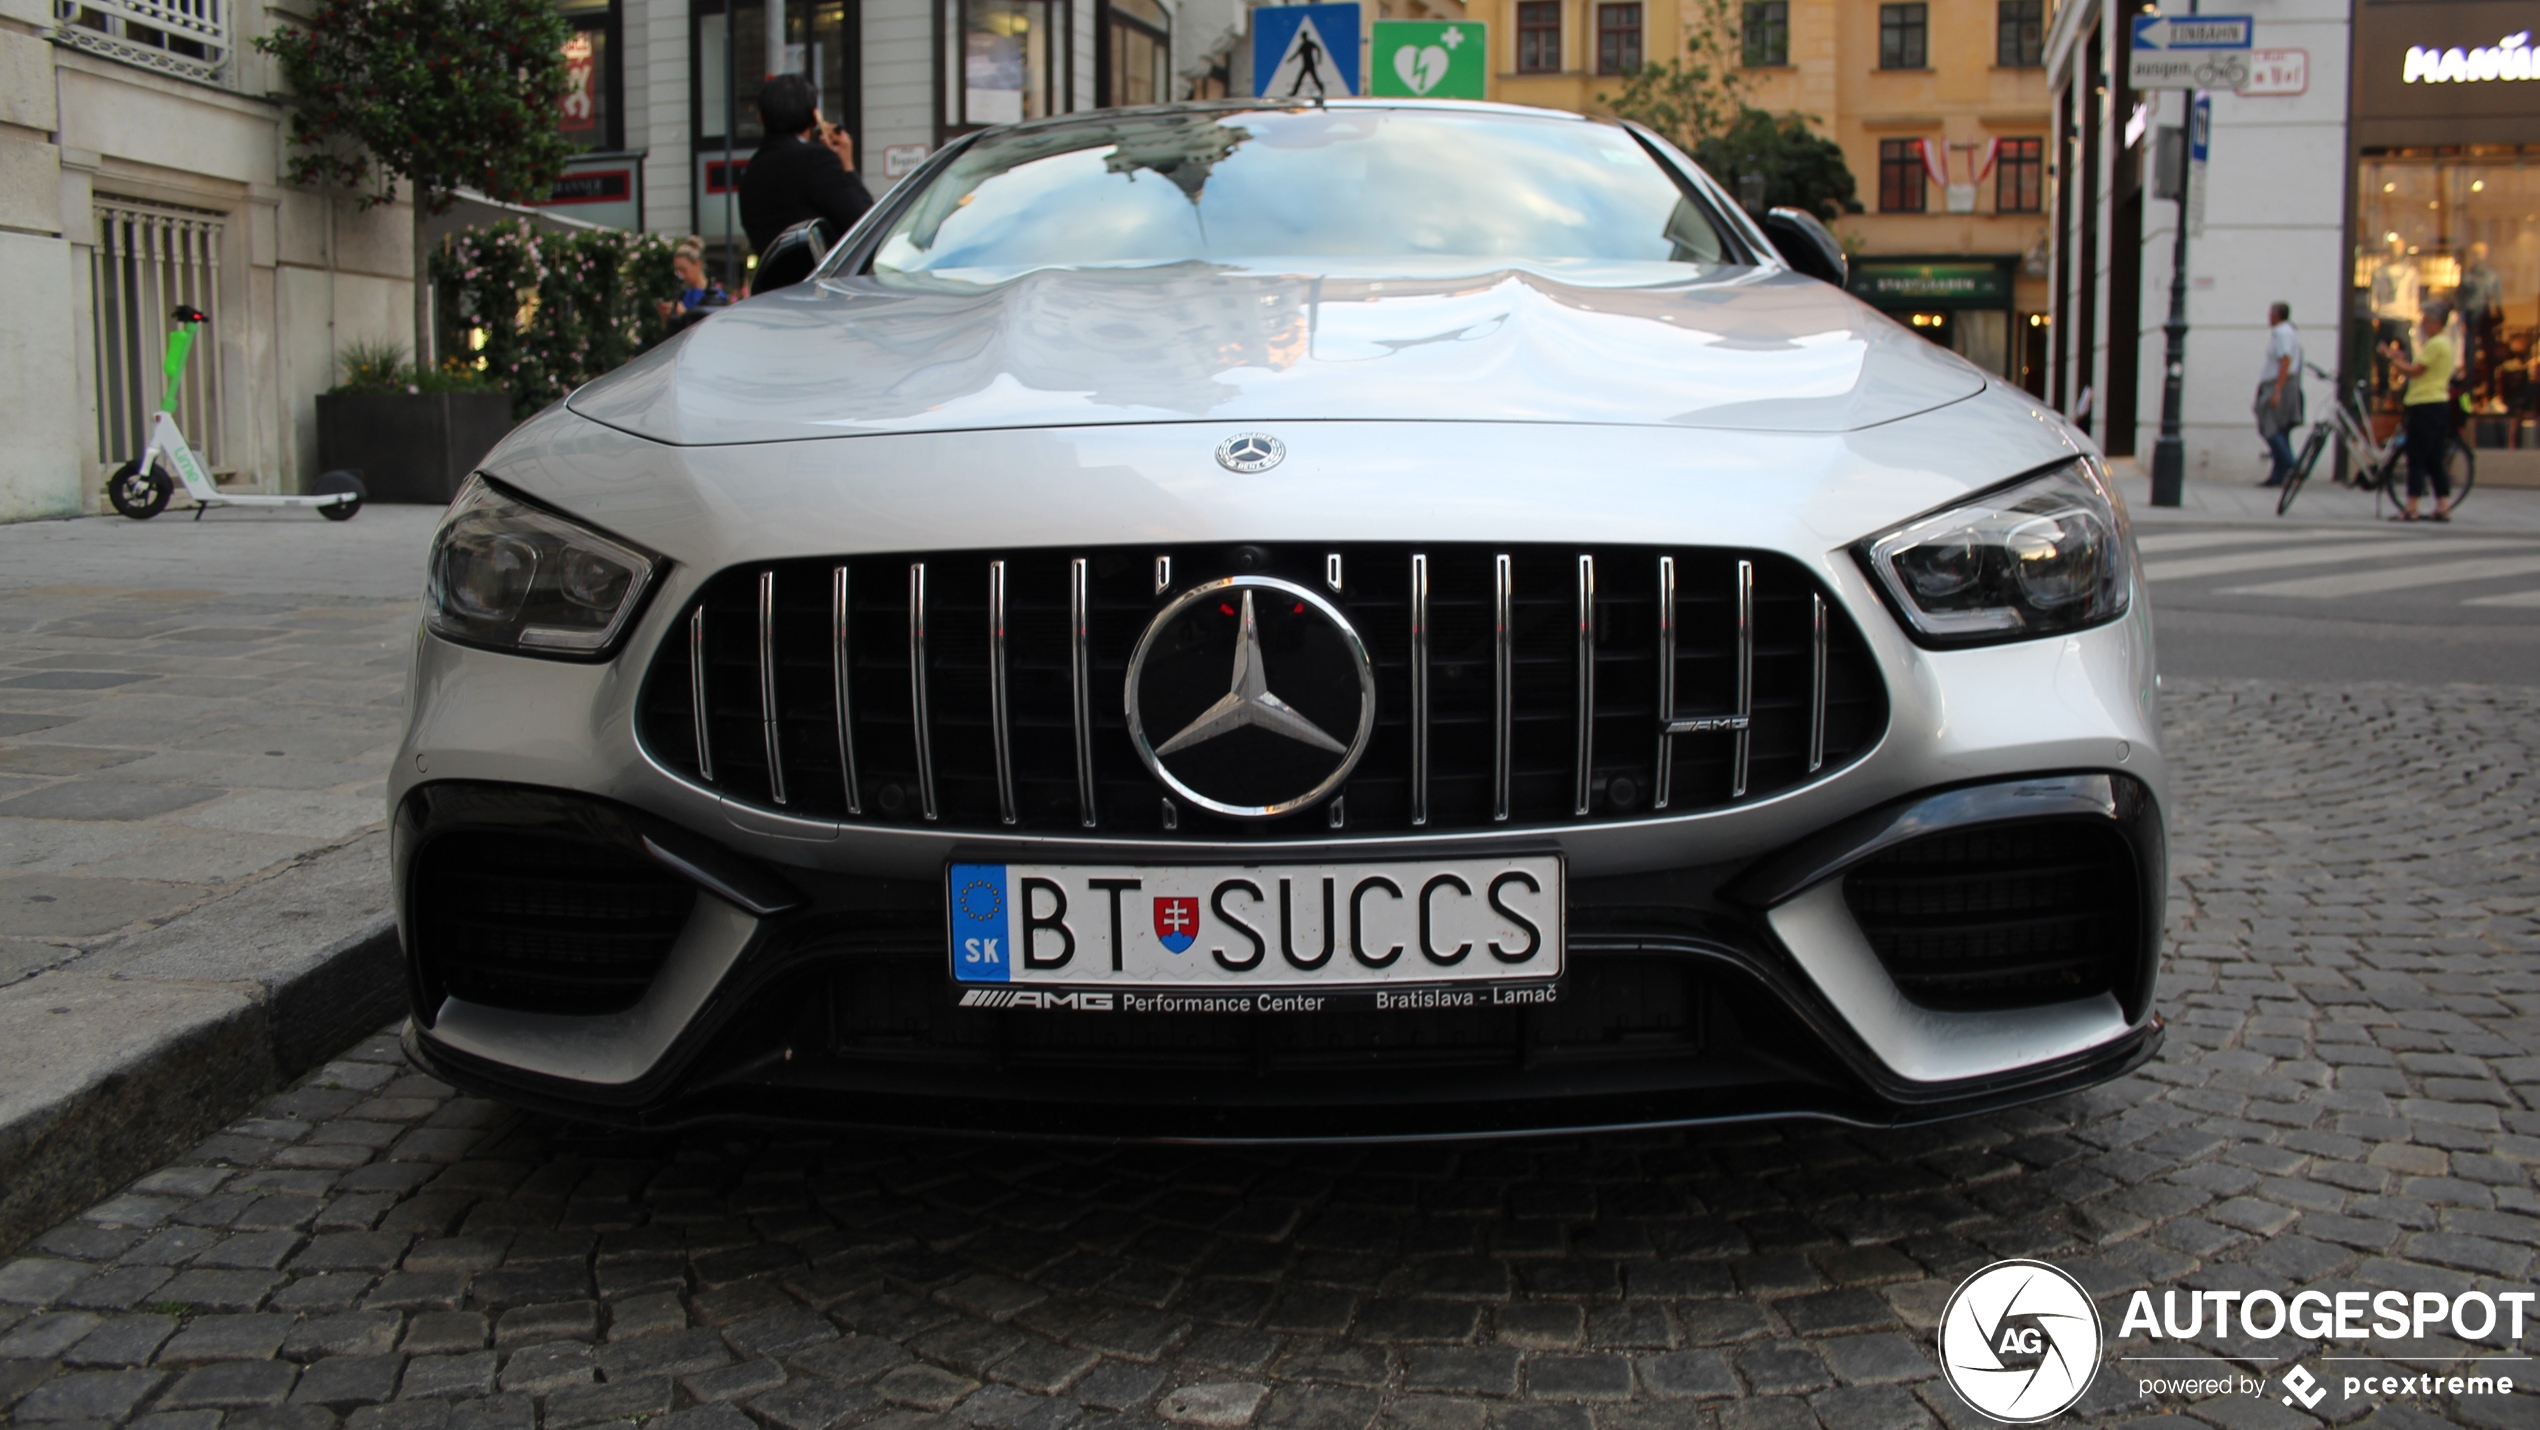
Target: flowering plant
[541, 313]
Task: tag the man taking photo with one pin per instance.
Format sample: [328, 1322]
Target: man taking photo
[805, 168]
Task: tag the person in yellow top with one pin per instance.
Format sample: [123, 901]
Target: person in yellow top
[2428, 404]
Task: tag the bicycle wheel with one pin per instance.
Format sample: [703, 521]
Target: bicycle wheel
[2461, 465]
[2390, 485]
[2301, 469]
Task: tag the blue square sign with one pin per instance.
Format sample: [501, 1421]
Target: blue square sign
[1305, 51]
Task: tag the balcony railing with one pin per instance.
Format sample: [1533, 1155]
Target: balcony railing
[182, 37]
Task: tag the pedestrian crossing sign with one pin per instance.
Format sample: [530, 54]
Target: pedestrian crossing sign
[1305, 51]
[1429, 59]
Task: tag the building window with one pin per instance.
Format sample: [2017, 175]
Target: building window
[2020, 33]
[1767, 33]
[731, 64]
[1901, 171]
[1903, 32]
[1137, 53]
[146, 262]
[1010, 54]
[588, 113]
[188, 37]
[1617, 39]
[1539, 37]
[2019, 177]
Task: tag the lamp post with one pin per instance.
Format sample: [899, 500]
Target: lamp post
[2169, 452]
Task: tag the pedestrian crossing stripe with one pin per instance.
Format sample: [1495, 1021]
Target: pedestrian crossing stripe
[2237, 562]
[2405, 578]
[2368, 563]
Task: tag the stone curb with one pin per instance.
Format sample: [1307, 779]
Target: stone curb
[123, 1058]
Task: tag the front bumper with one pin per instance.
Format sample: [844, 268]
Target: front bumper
[1718, 993]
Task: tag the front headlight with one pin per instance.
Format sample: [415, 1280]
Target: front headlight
[517, 577]
[2043, 555]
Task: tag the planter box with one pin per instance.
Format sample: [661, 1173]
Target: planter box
[410, 446]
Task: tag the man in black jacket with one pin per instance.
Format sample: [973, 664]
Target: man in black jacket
[805, 168]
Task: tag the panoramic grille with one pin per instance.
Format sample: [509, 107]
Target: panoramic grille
[2000, 918]
[544, 924]
[984, 690]
[894, 1010]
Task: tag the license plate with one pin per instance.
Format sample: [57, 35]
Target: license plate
[1146, 931]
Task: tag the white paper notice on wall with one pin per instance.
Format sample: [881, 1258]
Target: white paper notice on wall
[2277, 74]
[900, 160]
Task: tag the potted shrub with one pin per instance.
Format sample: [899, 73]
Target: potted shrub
[411, 435]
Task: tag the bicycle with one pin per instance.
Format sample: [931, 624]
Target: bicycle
[141, 487]
[2371, 466]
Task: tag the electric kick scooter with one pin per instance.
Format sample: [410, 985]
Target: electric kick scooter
[141, 487]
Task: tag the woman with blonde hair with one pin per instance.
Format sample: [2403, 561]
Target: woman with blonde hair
[698, 292]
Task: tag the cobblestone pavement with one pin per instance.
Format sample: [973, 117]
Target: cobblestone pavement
[2342, 1102]
[188, 707]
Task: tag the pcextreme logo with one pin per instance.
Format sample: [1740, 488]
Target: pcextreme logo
[2019, 1341]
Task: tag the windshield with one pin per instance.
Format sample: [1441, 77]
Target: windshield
[1282, 188]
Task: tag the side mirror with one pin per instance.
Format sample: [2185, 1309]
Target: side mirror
[1806, 245]
[792, 257]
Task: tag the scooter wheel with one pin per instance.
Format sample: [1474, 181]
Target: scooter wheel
[328, 484]
[138, 494]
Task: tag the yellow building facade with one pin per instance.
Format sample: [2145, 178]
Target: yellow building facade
[1941, 108]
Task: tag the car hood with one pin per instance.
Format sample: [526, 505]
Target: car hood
[1725, 348]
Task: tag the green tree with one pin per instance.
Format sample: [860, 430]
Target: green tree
[1699, 101]
[1694, 95]
[443, 94]
[1772, 162]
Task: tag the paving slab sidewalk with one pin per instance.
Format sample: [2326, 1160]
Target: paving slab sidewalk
[195, 725]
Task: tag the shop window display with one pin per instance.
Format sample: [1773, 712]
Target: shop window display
[2460, 227]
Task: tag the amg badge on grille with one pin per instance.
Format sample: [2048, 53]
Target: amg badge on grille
[1230, 744]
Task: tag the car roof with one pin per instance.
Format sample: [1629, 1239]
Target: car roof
[1238, 105]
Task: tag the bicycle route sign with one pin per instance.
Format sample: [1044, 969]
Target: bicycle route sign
[2191, 51]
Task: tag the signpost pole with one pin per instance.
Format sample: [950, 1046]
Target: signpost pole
[2169, 451]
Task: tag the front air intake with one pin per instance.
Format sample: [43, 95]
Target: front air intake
[543, 923]
[2009, 916]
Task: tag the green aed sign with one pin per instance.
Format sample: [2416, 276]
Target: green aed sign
[1430, 59]
[1937, 285]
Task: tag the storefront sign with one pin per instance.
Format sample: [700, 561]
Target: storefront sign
[600, 189]
[594, 186]
[901, 160]
[1950, 285]
[2432, 72]
[2508, 59]
[2275, 74]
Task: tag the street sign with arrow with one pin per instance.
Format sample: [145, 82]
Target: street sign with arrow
[2191, 51]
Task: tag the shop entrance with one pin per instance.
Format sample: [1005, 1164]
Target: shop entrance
[2459, 226]
[1962, 302]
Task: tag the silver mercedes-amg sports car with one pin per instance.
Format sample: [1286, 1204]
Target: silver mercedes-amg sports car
[1234, 621]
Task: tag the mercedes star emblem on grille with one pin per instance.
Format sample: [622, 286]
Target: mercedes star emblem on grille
[1236, 748]
[1251, 452]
